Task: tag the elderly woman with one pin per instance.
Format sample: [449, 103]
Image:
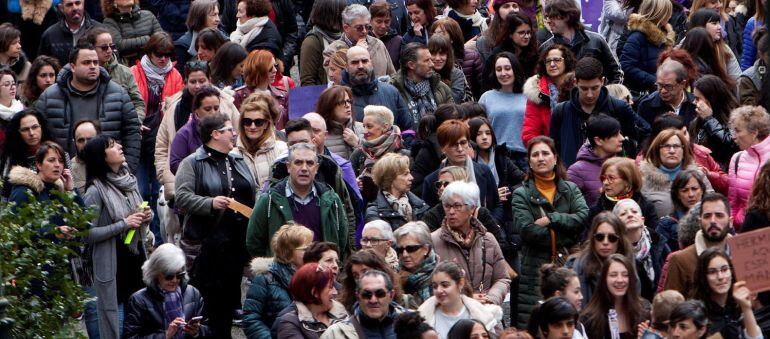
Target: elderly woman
[257, 142]
[621, 179]
[335, 105]
[751, 126]
[204, 193]
[377, 236]
[381, 137]
[314, 308]
[462, 236]
[269, 293]
[205, 103]
[130, 26]
[169, 305]
[550, 216]
[415, 250]
[395, 203]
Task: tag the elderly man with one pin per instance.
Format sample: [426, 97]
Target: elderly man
[375, 313]
[378, 237]
[421, 87]
[298, 199]
[462, 236]
[356, 26]
[670, 96]
[367, 90]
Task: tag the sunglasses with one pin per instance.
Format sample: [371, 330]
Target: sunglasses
[179, 276]
[408, 249]
[366, 294]
[441, 184]
[106, 47]
[164, 55]
[248, 122]
[613, 238]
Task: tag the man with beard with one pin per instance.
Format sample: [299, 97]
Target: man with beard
[367, 90]
[58, 40]
[715, 224]
[421, 88]
[671, 95]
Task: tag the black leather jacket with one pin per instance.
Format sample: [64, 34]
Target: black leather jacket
[144, 316]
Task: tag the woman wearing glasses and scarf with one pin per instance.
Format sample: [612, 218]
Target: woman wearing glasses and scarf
[394, 204]
[257, 141]
[417, 260]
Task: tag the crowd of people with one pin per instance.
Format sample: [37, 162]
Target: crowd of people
[470, 169]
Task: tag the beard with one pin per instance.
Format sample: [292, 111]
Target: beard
[707, 234]
[360, 78]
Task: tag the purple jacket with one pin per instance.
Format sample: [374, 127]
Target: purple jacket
[349, 176]
[186, 141]
[585, 173]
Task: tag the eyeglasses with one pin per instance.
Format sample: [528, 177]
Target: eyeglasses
[609, 178]
[612, 237]
[225, 129]
[345, 102]
[9, 84]
[667, 87]
[300, 163]
[34, 127]
[462, 144]
[524, 33]
[179, 275]
[246, 122]
[441, 184]
[366, 294]
[371, 241]
[106, 47]
[674, 147]
[362, 28]
[457, 206]
[714, 271]
[556, 60]
[408, 248]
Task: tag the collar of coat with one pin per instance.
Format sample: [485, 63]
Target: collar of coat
[22, 176]
[337, 312]
[536, 89]
[537, 198]
[653, 32]
[487, 314]
[655, 179]
[701, 246]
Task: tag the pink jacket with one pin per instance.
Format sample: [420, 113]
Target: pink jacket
[741, 179]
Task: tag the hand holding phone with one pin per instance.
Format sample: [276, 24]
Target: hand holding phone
[193, 326]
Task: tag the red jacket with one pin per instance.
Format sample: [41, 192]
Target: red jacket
[174, 83]
[537, 114]
[716, 175]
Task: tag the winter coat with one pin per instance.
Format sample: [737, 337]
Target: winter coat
[24, 181]
[434, 217]
[144, 312]
[187, 140]
[613, 22]
[311, 61]
[297, 321]
[21, 67]
[57, 40]
[259, 163]
[648, 209]
[652, 106]
[587, 43]
[717, 177]
[281, 99]
[743, 170]
[173, 83]
[585, 173]
[473, 68]
[569, 217]
[427, 159]
[734, 35]
[749, 84]
[680, 273]
[510, 176]
[568, 118]
[441, 93]
[380, 209]
[379, 93]
[378, 53]
[336, 143]
[372, 328]
[270, 39]
[131, 31]
[487, 189]
[174, 16]
[487, 270]
[749, 49]
[656, 186]
[268, 295]
[272, 211]
[476, 311]
[537, 114]
[639, 59]
[715, 135]
[116, 114]
[393, 42]
[122, 75]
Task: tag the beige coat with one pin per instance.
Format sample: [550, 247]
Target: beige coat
[260, 162]
[377, 52]
[486, 314]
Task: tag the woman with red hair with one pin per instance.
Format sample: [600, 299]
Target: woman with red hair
[259, 71]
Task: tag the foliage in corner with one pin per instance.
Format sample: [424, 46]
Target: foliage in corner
[35, 270]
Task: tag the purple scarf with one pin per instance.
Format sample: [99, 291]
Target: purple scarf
[173, 308]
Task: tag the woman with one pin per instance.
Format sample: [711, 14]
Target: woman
[314, 308]
[254, 29]
[649, 34]
[450, 304]
[41, 76]
[700, 45]
[205, 193]
[168, 305]
[203, 14]
[467, 59]
[732, 30]
[728, 302]
[258, 71]
[426, 149]
[156, 76]
[324, 253]
[358, 263]
[257, 142]
[557, 318]
[395, 203]
[687, 189]
[377, 236]
[411, 325]
[519, 39]
[710, 128]
[12, 56]
[542, 90]
[620, 179]
[471, 21]
[188, 138]
[667, 155]
[750, 126]
[505, 103]
[9, 105]
[335, 105]
[444, 64]
[753, 25]
[337, 63]
[227, 66]
[650, 249]
[417, 261]
[269, 291]
[617, 293]
[24, 135]
[550, 214]
[469, 328]
[382, 15]
[498, 27]
[758, 211]
[381, 137]
[561, 282]
[208, 42]
[130, 27]
[327, 27]
[710, 20]
[422, 14]
[118, 253]
[605, 237]
[688, 320]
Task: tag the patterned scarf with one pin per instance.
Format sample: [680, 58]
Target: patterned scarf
[400, 205]
[390, 141]
[417, 283]
[156, 76]
[465, 241]
[642, 250]
[172, 309]
[422, 96]
[553, 94]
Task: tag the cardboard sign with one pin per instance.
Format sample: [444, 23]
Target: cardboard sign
[240, 208]
[750, 253]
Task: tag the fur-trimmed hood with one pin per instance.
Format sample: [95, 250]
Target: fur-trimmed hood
[22, 176]
[536, 89]
[655, 35]
[260, 265]
[656, 180]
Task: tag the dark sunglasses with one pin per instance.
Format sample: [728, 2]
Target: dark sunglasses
[248, 122]
[613, 238]
[409, 249]
[179, 276]
[441, 184]
[169, 55]
[366, 294]
[109, 46]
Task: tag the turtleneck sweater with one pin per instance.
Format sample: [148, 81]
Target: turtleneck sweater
[546, 186]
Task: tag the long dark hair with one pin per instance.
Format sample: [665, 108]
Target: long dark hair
[592, 263]
[15, 147]
[441, 44]
[30, 90]
[227, 57]
[720, 97]
[702, 289]
[491, 76]
[95, 157]
[594, 316]
[561, 173]
[699, 44]
[462, 329]
[512, 22]
[475, 125]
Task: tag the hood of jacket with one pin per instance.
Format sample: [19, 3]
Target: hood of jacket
[654, 34]
[487, 314]
[22, 176]
[536, 89]
[280, 186]
[586, 153]
[655, 179]
[280, 271]
[602, 103]
[65, 75]
[305, 315]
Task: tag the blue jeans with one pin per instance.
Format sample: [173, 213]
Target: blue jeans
[90, 315]
[147, 180]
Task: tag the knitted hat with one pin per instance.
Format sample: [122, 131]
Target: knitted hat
[497, 3]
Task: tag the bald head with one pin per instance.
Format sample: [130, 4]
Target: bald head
[319, 129]
[359, 66]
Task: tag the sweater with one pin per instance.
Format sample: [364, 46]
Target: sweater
[506, 115]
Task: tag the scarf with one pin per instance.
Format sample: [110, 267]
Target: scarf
[192, 49]
[672, 172]
[173, 308]
[327, 37]
[491, 164]
[417, 283]
[476, 18]
[642, 250]
[121, 198]
[390, 141]
[400, 205]
[465, 241]
[627, 195]
[422, 96]
[468, 169]
[156, 76]
[6, 113]
[246, 32]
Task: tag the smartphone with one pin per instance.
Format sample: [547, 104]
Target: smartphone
[195, 320]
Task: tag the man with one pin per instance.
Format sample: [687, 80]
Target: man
[376, 311]
[57, 41]
[715, 224]
[564, 21]
[85, 130]
[421, 88]
[299, 199]
[84, 91]
[671, 95]
[604, 141]
[367, 90]
[356, 25]
[589, 98]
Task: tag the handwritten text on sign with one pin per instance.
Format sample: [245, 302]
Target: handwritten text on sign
[750, 253]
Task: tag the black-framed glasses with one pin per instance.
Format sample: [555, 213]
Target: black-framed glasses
[105, 47]
[345, 102]
[362, 28]
[178, 275]
[456, 207]
[441, 184]
[366, 294]
[408, 248]
[612, 237]
[667, 87]
[248, 122]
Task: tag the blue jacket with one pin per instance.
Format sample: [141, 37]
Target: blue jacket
[174, 16]
[639, 59]
[267, 296]
[376, 92]
[749, 49]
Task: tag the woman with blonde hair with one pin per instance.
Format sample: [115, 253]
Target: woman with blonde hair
[620, 179]
[259, 71]
[395, 203]
[338, 61]
[257, 141]
[649, 35]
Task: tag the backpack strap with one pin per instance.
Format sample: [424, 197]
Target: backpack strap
[737, 160]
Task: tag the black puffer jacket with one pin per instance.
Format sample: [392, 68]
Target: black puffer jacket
[57, 40]
[587, 43]
[116, 114]
[131, 31]
[144, 312]
[380, 209]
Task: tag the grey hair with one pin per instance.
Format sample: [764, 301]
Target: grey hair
[382, 114]
[467, 191]
[616, 209]
[376, 273]
[418, 229]
[689, 226]
[302, 146]
[166, 259]
[673, 66]
[355, 11]
[386, 232]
